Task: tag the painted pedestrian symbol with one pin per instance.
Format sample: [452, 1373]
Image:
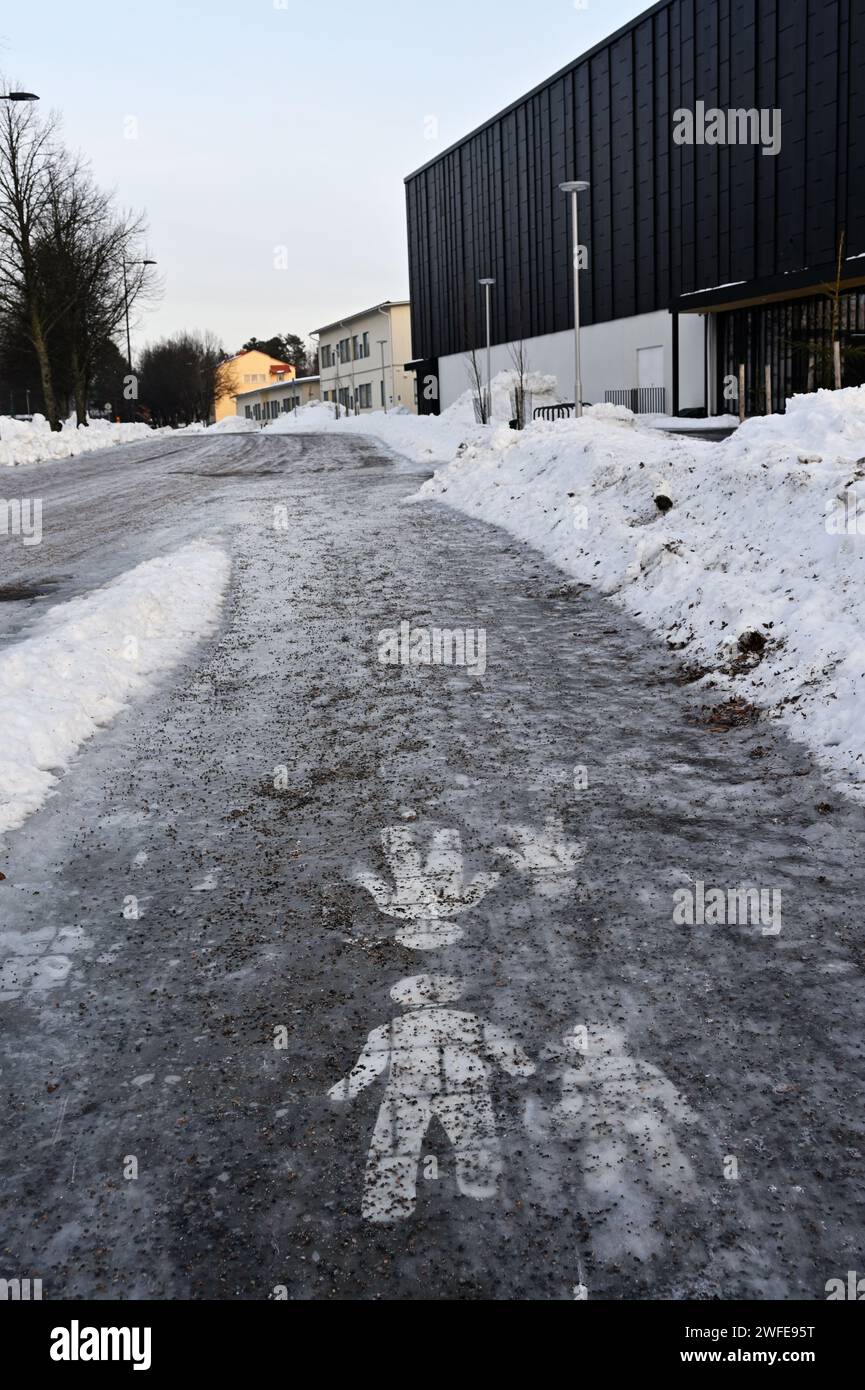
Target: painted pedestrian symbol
[547, 856]
[426, 897]
[623, 1113]
[439, 1062]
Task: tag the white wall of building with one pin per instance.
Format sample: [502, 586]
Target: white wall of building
[268, 402]
[609, 359]
[360, 379]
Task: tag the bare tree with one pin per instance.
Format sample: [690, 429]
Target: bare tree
[90, 260]
[825, 352]
[28, 151]
[180, 378]
[70, 264]
[480, 395]
[519, 395]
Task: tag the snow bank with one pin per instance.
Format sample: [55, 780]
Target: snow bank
[32, 441]
[430, 439]
[746, 547]
[87, 658]
[829, 425]
[233, 424]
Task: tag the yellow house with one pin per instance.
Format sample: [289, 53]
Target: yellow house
[248, 371]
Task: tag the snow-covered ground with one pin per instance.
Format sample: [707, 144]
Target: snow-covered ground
[231, 424]
[746, 556]
[88, 657]
[428, 439]
[32, 441]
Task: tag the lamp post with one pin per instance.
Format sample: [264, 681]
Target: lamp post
[382, 342]
[575, 188]
[488, 285]
[19, 96]
[385, 312]
[126, 265]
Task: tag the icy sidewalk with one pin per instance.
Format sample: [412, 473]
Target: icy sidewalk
[88, 657]
[747, 556]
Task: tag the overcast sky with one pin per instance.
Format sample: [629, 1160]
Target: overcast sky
[245, 126]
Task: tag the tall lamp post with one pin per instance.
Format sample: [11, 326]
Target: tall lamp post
[382, 342]
[126, 265]
[19, 96]
[575, 188]
[488, 285]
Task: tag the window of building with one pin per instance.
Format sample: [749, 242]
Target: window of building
[366, 345]
[382, 393]
[364, 396]
[344, 397]
[249, 412]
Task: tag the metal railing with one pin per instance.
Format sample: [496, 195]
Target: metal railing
[642, 400]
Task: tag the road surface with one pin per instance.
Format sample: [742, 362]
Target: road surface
[260, 1087]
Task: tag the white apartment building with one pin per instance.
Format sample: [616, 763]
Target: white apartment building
[265, 403]
[362, 359]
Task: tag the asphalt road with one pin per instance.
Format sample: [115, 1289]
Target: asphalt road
[585, 1094]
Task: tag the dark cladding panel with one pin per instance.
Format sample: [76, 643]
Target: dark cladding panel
[767, 165]
[790, 170]
[599, 204]
[624, 212]
[683, 249]
[855, 180]
[561, 162]
[645, 110]
[663, 144]
[822, 120]
[742, 158]
[707, 163]
[661, 219]
[583, 170]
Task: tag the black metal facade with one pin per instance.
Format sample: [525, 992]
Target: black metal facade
[661, 220]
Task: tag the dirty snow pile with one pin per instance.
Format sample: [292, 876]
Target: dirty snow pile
[748, 556]
[32, 441]
[430, 439]
[87, 658]
[230, 424]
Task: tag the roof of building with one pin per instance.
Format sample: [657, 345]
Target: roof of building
[277, 385]
[365, 313]
[277, 365]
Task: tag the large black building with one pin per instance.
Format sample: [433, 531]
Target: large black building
[746, 238]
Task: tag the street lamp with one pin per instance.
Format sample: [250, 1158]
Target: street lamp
[382, 342]
[19, 96]
[579, 186]
[126, 265]
[488, 285]
[127, 306]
